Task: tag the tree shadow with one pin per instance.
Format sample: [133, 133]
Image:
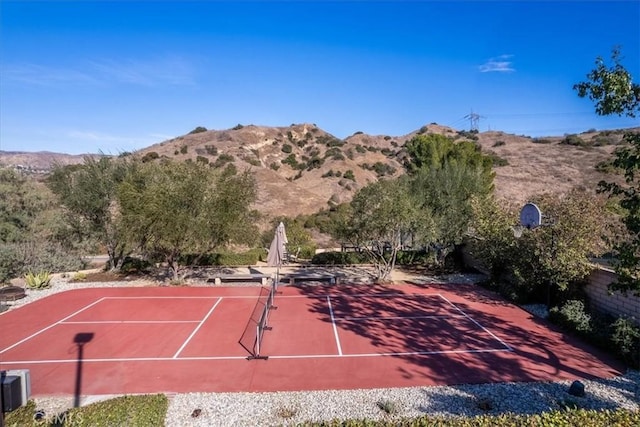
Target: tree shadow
[477, 337]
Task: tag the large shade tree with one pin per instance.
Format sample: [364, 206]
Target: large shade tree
[613, 91]
[378, 218]
[444, 176]
[88, 193]
[173, 209]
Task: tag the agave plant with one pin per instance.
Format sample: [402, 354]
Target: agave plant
[41, 280]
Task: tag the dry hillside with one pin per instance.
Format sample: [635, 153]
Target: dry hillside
[301, 168]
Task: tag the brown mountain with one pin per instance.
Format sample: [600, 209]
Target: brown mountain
[301, 168]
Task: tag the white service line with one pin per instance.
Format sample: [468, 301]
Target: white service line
[197, 328]
[478, 324]
[51, 325]
[335, 328]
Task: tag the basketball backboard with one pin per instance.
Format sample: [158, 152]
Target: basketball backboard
[530, 216]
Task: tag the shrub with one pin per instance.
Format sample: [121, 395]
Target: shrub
[572, 315]
[152, 155]
[40, 280]
[211, 150]
[541, 141]
[349, 175]
[184, 149]
[202, 159]
[79, 276]
[222, 160]
[135, 265]
[274, 166]
[576, 141]
[287, 148]
[199, 129]
[499, 143]
[237, 127]
[626, 338]
[338, 258]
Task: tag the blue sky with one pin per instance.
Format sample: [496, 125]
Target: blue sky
[88, 76]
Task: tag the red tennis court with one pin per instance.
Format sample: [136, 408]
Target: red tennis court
[195, 339]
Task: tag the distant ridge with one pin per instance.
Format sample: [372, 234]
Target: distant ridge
[301, 168]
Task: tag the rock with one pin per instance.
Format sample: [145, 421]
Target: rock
[577, 389]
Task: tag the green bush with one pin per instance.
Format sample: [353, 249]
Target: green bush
[572, 315]
[287, 148]
[625, 335]
[339, 258]
[135, 265]
[349, 175]
[249, 257]
[541, 141]
[237, 127]
[40, 280]
[419, 257]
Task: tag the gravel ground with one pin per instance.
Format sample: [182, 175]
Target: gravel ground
[291, 408]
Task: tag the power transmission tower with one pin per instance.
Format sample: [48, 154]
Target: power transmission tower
[474, 119]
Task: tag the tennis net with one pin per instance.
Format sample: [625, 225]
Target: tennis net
[252, 336]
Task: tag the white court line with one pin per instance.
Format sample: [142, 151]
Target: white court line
[448, 316]
[51, 325]
[301, 356]
[91, 322]
[390, 295]
[335, 328]
[478, 324]
[182, 297]
[197, 328]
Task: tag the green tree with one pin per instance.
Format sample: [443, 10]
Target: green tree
[444, 176]
[171, 209]
[613, 91]
[611, 88]
[556, 253]
[32, 233]
[380, 215]
[88, 193]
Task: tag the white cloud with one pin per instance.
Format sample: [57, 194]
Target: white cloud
[500, 64]
[169, 70]
[34, 74]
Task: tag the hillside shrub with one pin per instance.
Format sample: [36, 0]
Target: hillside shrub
[287, 148]
[499, 143]
[199, 129]
[211, 150]
[349, 175]
[150, 156]
[541, 141]
[274, 166]
[237, 127]
[575, 140]
[202, 159]
[222, 160]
